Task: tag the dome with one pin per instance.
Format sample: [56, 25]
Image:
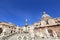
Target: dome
[45, 15]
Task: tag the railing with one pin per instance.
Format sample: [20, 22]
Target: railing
[28, 37]
[6, 37]
[25, 37]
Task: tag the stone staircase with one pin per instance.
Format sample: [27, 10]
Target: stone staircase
[9, 37]
[15, 36]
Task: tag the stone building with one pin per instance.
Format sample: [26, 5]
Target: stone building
[47, 27]
[8, 28]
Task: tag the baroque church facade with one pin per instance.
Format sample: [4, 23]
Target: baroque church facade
[47, 27]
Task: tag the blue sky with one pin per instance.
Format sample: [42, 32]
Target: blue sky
[16, 11]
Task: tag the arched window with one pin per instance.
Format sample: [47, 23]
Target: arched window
[11, 31]
[50, 32]
[47, 22]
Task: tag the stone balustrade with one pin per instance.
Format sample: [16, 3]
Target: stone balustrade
[17, 36]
